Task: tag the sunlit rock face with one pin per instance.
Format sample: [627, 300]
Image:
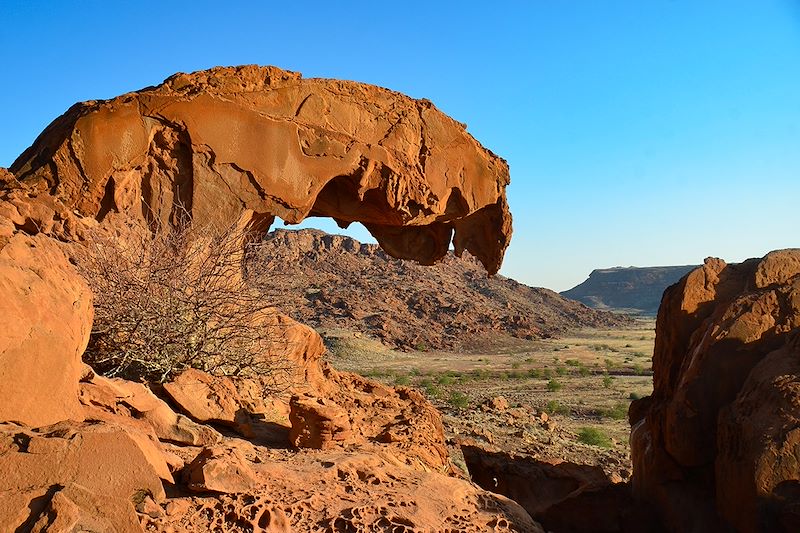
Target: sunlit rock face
[261, 139]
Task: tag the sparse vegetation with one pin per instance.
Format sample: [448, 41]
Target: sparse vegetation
[179, 297]
[618, 412]
[593, 437]
[608, 381]
[554, 407]
[554, 386]
[458, 399]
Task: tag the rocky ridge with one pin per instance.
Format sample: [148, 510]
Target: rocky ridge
[332, 282]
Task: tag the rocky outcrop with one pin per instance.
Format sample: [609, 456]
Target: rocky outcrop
[231, 145]
[262, 139]
[46, 315]
[633, 289]
[336, 283]
[715, 446]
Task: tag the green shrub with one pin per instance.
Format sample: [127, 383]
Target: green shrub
[554, 386]
[607, 381]
[547, 373]
[594, 437]
[618, 412]
[583, 371]
[459, 400]
[445, 379]
[535, 373]
[402, 380]
[572, 362]
[561, 370]
[553, 407]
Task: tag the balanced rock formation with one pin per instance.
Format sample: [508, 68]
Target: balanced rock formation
[716, 445]
[215, 142]
[231, 145]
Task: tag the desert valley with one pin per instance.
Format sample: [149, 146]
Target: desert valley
[170, 361]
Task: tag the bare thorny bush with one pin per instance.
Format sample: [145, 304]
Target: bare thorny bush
[179, 298]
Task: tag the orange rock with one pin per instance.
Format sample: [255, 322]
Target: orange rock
[498, 403]
[75, 508]
[47, 317]
[207, 398]
[101, 461]
[710, 442]
[318, 423]
[135, 400]
[267, 140]
[220, 470]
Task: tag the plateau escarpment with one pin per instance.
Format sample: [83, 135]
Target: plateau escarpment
[632, 289]
[333, 282]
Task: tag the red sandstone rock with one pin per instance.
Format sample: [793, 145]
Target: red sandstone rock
[104, 461]
[208, 398]
[46, 311]
[267, 140]
[716, 433]
[305, 147]
[498, 403]
[134, 399]
[220, 470]
[318, 423]
[75, 508]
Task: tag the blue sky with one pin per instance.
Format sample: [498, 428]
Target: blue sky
[638, 132]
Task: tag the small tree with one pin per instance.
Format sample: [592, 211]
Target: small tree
[178, 298]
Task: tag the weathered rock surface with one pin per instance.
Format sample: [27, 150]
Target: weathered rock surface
[318, 423]
[231, 145]
[263, 139]
[336, 283]
[101, 395]
[715, 446]
[46, 315]
[107, 462]
[220, 470]
[336, 490]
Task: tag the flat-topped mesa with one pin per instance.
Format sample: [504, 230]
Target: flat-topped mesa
[228, 139]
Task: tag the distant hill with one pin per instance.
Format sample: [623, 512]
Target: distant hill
[635, 289]
[334, 282]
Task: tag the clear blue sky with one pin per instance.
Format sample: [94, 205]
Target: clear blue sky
[638, 133]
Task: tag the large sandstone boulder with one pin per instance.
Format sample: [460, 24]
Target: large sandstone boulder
[263, 139]
[46, 315]
[106, 465]
[717, 436]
